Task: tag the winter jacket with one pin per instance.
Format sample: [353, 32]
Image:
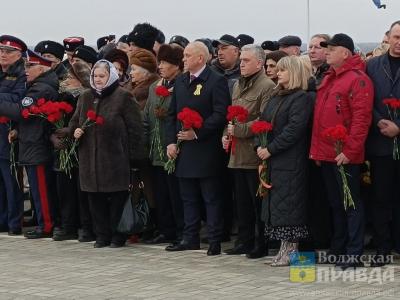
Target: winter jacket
[33, 133]
[385, 86]
[105, 151]
[285, 203]
[344, 97]
[232, 75]
[149, 120]
[252, 94]
[12, 89]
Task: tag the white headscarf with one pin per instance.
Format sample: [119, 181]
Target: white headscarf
[113, 75]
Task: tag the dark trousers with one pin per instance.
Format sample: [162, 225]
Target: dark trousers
[385, 176]
[84, 212]
[193, 192]
[41, 183]
[250, 226]
[106, 209]
[11, 198]
[169, 204]
[67, 190]
[348, 225]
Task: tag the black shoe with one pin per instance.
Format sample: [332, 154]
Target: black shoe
[37, 234]
[86, 236]
[63, 235]
[13, 232]
[101, 244]
[238, 250]
[159, 239]
[182, 246]
[117, 244]
[257, 253]
[214, 249]
[379, 260]
[3, 229]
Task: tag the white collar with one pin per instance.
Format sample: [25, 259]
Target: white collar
[197, 74]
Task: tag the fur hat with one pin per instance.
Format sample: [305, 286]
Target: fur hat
[145, 59]
[82, 72]
[50, 47]
[171, 54]
[143, 36]
[118, 56]
[86, 53]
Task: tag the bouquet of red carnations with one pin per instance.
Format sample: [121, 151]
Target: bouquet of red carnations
[338, 135]
[189, 119]
[236, 114]
[54, 112]
[261, 129]
[160, 112]
[91, 119]
[393, 107]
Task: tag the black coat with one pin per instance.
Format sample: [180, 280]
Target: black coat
[105, 151]
[285, 202]
[378, 69]
[201, 157]
[33, 133]
[12, 89]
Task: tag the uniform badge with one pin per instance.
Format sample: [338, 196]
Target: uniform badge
[27, 101]
[198, 90]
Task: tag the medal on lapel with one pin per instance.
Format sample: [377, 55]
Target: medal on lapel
[198, 89]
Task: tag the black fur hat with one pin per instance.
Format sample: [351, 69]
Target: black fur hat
[143, 36]
[172, 54]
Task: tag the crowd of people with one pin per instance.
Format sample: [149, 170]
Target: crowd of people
[300, 188]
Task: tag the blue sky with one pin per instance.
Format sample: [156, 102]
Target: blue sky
[263, 19]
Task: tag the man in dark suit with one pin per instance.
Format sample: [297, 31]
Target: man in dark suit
[199, 159]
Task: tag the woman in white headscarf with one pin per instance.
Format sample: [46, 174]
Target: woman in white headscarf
[106, 150]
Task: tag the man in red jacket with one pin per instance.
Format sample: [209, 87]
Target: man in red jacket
[345, 97]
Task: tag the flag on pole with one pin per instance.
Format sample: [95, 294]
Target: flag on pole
[378, 4]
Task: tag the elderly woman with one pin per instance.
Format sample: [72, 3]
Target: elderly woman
[121, 62]
[289, 111]
[271, 60]
[168, 201]
[143, 74]
[105, 151]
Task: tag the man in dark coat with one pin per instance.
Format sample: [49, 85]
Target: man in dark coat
[12, 90]
[199, 156]
[35, 151]
[54, 52]
[385, 167]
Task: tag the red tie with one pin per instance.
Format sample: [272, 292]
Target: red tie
[192, 77]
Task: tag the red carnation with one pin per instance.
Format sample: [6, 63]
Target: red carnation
[335, 134]
[259, 127]
[190, 118]
[99, 120]
[91, 115]
[34, 109]
[162, 91]
[4, 120]
[237, 113]
[66, 107]
[41, 101]
[25, 113]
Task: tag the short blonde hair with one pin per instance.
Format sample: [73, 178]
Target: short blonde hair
[298, 73]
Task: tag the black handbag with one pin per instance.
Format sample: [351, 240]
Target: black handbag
[135, 215]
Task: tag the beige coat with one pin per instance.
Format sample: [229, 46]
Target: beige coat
[251, 93]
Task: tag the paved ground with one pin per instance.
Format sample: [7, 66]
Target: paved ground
[44, 269]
